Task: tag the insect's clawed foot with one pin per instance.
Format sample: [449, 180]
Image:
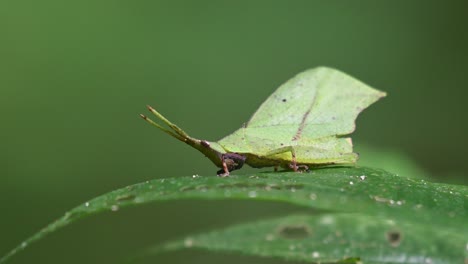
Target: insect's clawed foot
[222, 173]
[298, 168]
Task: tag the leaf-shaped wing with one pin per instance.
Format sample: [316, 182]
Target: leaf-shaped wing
[317, 99]
[321, 103]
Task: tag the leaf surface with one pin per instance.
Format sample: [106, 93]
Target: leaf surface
[330, 238]
[341, 189]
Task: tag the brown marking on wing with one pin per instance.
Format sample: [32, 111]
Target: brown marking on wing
[304, 119]
[302, 125]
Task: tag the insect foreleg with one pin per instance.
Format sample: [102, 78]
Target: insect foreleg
[230, 162]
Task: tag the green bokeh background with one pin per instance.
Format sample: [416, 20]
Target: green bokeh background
[74, 75]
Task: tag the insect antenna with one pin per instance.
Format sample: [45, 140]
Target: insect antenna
[176, 131]
[170, 132]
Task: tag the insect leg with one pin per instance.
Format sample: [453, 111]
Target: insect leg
[293, 164]
[230, 162]
[224, 169]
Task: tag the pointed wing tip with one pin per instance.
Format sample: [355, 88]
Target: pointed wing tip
[382, 94]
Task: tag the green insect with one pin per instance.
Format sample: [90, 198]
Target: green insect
[303, 124]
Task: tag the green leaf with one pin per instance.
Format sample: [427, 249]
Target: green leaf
[342, 189]
[331, 238]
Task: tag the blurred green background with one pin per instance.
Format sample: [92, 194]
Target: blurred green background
[74, 75]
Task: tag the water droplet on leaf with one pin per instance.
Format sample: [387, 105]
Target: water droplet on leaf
[188, 242]
[125, 197]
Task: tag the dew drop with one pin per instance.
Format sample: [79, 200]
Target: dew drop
[125, 197]
[24, 244]
[362, 177]
[351, 183]
[188, 242]
[195, 176]
[327, 220]
[86, 204]
[315, 254]
[379, 199]
[252, 194]
[67, 215]
[114, 208]
[313, 196]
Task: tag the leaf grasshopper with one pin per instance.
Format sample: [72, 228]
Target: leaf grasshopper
[304, 123]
